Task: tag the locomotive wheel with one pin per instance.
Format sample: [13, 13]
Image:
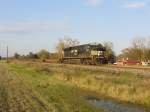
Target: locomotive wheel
[81, 61]
[85, 62]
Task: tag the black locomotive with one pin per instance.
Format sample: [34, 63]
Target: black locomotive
[84, 54]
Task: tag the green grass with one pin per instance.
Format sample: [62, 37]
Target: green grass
[67, 86]
[62, 96]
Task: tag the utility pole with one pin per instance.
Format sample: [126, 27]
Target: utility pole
[0, 52]
[7, 54]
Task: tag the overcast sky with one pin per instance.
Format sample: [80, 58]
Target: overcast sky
[31, 25]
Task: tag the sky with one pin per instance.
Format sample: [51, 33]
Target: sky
[31, 25]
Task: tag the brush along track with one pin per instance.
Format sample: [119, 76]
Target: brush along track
[16, 97]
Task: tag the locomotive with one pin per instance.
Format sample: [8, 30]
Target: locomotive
[84, 54]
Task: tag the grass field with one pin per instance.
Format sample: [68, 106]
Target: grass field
[35, 87]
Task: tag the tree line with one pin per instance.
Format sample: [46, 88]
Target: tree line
[42, 54]
[63, 43]
[139, 50]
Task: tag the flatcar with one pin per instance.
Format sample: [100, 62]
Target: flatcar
[84, 54]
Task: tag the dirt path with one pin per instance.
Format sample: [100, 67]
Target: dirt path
[16, 97]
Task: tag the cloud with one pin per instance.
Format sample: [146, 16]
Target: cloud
[135, 5]
[33, 27]
[94, 2]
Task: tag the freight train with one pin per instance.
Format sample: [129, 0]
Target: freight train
[84, 54]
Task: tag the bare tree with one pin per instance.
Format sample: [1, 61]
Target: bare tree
[140, 49]
[64, 43]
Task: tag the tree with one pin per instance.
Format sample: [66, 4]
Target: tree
[32, 56]
[109, 53]
[16, 56]
[43, 55]
[139, 50]
[64, 43]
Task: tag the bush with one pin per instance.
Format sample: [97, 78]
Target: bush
[43, 55]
